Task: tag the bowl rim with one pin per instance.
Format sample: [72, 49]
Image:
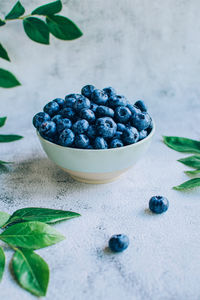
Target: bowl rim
[101, 150]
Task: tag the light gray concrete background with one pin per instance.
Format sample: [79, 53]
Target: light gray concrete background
[145, 49]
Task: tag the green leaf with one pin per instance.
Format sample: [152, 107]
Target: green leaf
[63, 28]
[17, 11]
[7, 138]
[3, 53]
[192, 183]
[2, 162]
[195, 172]
[191, 161]
[2, 22]
[48, 9]
[3, 218]
[2, 262]
[31, 235]
[36, 30]
[45, 215]
[31, 271]
[182, 144]
[7, 79]
[2, 121]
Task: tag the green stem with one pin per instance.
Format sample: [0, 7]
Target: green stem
[20, 18]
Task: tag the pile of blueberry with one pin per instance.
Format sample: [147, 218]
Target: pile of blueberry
[94, 119]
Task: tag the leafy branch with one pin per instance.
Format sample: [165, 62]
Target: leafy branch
[181, 144]
[38, 30]
[24, 231]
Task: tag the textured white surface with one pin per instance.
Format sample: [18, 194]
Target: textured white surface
[146, 49]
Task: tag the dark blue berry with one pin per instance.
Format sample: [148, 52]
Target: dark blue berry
[56, 118]
[142, 134]
[118, 135]
[81, 141]
[109, 91]
[87, 91]
[100, 143]
[104, 111]
[130, 135]
[81, 102]
[89, 147]
[91, 132]
[87, 114]
[51, 108]
[120, 127]
[122, 114]
[39, 118]
[80, 126]
[106, 127]
[66, 138]
[158, 204]
[141, 121]
[134, 110]
[93, 106]
[69, 102]
[141, 105]
[48, 129]
[63, 124]
[75, 96]
[149, 129]
[118, 242]
[68, 113]
[60, 102]
[99, 97]
[117, 100]
[116, 143]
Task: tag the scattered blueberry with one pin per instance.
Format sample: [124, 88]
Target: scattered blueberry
[66, 138]
[81, 102]
[63, 124]
[68, 113]
[142, 134]
[141, 105]
[118, 242]
[80, 126]
[104, 111]
[130, 135]
[87, 90]
[82, 141]
[39, 118]
[48, 129]
[100, 143]
[99, 97]
[109, 91]
[116, 143]
[60, 102]
[141, 121]
[106, 127]
[87, 114]
[158, 204]
[51, 108]
[122, 114]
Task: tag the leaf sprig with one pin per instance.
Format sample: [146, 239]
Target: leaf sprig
[24, 231]
[38, 30]
[181, 144]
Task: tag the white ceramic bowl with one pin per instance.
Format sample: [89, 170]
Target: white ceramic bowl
[96, 166]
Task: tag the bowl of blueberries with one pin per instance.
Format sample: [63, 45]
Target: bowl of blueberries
[95, 136]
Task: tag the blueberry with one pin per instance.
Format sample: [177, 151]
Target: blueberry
[109, 91]
[149, 129]
[66, 138]
[106, 127]
[122, 114]
[87, 114]
[69, 102]
[87, 91]
[89, 147]
[39, 118]
[80, 126]
[48, 129]
[82, 141]
[60, 102]
[141, 105]
[56, 118]
[118, 242]
[104, 111]
[142, 134]
[158, 204]
[75, 96]
[99, 97]
[117, 100]
[91, 132]
[141, 121]
[120, 127]
[68, 113]
[81, 102]
[51, 108]
[134, 110]
[116, 143]
[93, 106]
[118, 135]
[100, 143]
[63, 124]
[130, 135]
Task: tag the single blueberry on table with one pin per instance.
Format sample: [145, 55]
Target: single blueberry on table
[106, 127]
[99, 97]
[87, 90]
[81, 102]
[91, 132]
[134, 110]
[87, 114]
[69, 102]
[104, 111]
[122, 114]
[93, 106]
[110, 91]
[48, 129]
[117, 100]
[66, 138]
[68, 113]
[80, 126]
[130, 135]
[141, 121]
[81, 141]
[39, 118]
[51, 108]
[116, 143]
[158, 204]
[118, 242]
[60, 102]
[100, 143]
[56, 118]
[120, 127]
[63, 124]
[141, 105]
[143, 134]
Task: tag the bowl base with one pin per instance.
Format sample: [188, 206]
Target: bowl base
[94, 181]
